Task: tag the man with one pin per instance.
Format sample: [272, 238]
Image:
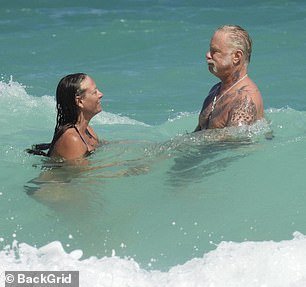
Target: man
[236, 100]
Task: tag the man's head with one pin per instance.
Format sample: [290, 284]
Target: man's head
[239, 39]
[230, 49]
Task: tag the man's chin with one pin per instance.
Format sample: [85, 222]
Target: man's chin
[212, 69]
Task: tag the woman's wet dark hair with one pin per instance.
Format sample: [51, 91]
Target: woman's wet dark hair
[67, 90]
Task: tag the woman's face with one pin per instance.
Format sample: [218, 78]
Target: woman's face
[90, 99]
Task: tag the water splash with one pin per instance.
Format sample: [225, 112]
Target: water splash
[252, 264]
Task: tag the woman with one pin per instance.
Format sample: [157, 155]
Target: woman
[78, 101]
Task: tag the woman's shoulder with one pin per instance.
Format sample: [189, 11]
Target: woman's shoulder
[70, 145]
[70, 137]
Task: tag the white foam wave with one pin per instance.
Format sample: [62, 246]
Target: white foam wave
[16, 97]
[182, 115]
[186, 119]
[15, 101]
[19, 109]
[251, 264]
[107, 118]
[271, 110]
[279, 110]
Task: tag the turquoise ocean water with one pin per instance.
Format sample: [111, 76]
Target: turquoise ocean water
[157, 206]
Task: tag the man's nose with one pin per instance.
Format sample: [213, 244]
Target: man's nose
[208, 55]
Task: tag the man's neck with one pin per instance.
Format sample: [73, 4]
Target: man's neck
[232, 78]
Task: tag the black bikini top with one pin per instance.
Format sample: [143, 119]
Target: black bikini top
[45, 149]
[88, 152]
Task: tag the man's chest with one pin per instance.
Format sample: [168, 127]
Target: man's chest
[214, 118]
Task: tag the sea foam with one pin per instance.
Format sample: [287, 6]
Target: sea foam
[266, 263]
[40, 112]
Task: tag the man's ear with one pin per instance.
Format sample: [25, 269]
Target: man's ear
[238, 56]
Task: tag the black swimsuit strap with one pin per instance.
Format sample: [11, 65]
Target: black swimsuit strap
[81, 137]
[60, 133]
[57, 135]
[90, 135]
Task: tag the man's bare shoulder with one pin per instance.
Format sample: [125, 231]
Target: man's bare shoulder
[247, 106]
[250, 89]
[250, 92]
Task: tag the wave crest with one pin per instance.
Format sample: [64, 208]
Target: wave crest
[40, 112]
[251, 264]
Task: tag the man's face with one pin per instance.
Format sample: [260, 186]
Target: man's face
[219, 57]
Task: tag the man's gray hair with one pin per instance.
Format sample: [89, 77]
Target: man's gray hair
[240, 39]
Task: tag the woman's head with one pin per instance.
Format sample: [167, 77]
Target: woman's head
[67, 90]
[77, 98]
[89, 99]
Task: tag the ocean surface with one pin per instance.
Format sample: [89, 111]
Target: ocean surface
[159, 205]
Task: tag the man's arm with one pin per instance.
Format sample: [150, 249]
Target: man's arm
[243, 112]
